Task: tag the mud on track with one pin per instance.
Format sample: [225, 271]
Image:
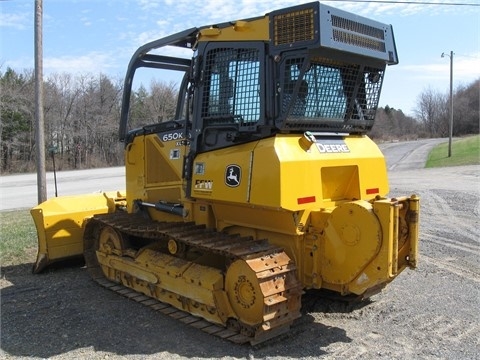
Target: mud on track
[428, 313]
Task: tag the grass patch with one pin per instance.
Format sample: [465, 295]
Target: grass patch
[465, 151]
[18, 238]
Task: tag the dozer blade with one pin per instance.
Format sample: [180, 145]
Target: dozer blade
[61, 221]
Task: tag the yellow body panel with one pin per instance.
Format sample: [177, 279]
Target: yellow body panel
[60, 223]
[154, 169]
[278, 173]
[252, 30]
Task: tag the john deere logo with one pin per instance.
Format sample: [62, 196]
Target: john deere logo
[233, 175]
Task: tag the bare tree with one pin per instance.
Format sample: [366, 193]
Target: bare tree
[96, 122]
[17, 116]
[466, 109]
[432, 112]
[394, 124]
[162, 100]
[60, 100]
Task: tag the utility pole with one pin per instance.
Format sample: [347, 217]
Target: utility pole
[451, 104]
[39, 121]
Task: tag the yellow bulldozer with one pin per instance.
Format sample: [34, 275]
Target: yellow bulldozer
[263, 185]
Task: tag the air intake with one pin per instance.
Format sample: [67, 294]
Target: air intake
[357, 34]
[293, 27]
[348, 32]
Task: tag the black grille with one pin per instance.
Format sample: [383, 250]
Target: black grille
[357, 34]
[357, 27]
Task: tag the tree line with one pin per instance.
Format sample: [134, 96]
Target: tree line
[82, 113]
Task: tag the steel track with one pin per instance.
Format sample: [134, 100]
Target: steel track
[229, 246]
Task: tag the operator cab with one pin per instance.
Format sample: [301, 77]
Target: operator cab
[313, 68]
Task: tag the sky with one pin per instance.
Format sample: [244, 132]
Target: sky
[89, 37]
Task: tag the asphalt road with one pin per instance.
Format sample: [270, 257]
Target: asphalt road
[20, 191]
[408, 155]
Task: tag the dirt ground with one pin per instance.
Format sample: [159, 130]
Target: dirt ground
[429, 313]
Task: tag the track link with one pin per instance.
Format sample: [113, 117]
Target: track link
[274, 275]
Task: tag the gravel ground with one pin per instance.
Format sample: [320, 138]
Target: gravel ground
[429, 313]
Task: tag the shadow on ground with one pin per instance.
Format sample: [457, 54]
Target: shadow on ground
[63, 310]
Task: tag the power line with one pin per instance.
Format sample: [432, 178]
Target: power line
[469, 56]
[409, 2]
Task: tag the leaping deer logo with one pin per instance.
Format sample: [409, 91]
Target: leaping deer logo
[233, 175]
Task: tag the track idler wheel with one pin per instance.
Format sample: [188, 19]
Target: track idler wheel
[110, 241]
